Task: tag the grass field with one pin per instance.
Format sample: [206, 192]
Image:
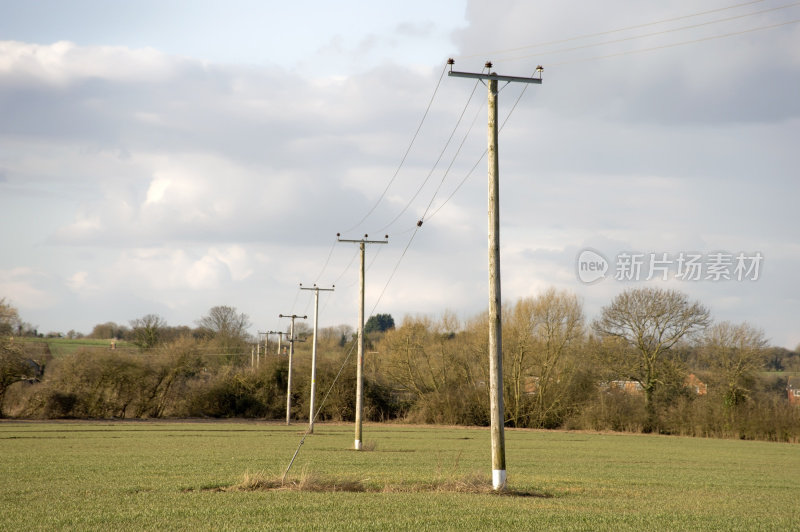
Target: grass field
[163, 475]
[63, 346]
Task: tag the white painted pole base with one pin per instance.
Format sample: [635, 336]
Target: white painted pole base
[358, 445]
[498, 479]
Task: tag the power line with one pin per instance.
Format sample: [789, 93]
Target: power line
[682, 43]
[391, 276]
[452, 161]
[468, 174]
[346, 268]
[419, 225]
[322, 404]
[433, 168]
[326, 261]
[495, 53]
[629, 52]
[653, 34]
[405, 155]
[371, 262]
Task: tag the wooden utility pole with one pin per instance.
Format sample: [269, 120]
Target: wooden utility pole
[497, 414]
[316, 290]
[360, 362]
[289, 377]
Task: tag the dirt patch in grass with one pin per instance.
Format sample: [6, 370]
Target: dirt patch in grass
[474, 483]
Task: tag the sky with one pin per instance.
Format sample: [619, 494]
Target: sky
[170, 156]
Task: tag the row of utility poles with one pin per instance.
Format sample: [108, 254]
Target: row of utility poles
[498, 453]
[360, 356]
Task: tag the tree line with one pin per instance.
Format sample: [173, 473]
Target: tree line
[652, 361]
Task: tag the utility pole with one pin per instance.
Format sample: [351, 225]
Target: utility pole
[360, 362]
[280, 335]
[289, 377]
[495, 307]
[258, 346]
[316, 290]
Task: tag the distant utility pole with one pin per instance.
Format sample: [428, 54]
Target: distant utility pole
[280, 335]
[360, 362]
[291, 354]
[316, 290]
[258, 347]
[495, 308]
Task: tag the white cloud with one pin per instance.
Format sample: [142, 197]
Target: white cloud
[23, 287]
[64, 63]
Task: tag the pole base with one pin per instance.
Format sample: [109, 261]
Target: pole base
[498, 479]
[357, 446]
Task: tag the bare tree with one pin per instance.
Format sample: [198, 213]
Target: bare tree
[735, 352]
[9, 318]
[148, 330]
[227, 327]
[540, 331]
[648, 322]
[108, 330]
[14, 367]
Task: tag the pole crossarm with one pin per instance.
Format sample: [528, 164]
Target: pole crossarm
[316, 288]
[362, 240]
[494, 77]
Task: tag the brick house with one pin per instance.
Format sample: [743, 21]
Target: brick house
[696, 385]
[793, 390]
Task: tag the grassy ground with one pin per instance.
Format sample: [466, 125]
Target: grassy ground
[64, 346]
[162, 475]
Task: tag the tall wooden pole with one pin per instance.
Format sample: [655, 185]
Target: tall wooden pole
[360, 361]
[495, 305]
[497, 413]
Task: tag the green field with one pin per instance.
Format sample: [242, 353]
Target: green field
[63, 346]
[163, 475]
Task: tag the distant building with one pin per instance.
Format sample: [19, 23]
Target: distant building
[793, 390]
[631, 387]
[531, 385]
[635, 387]
[696, 385]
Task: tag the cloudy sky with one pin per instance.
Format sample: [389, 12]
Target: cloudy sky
[167, 157]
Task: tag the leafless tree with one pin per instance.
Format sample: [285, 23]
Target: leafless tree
[540, 332]
[14, 367]
[147, 330]
[227, 328]
[735, 353]
[648, 322]
[9, 318]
